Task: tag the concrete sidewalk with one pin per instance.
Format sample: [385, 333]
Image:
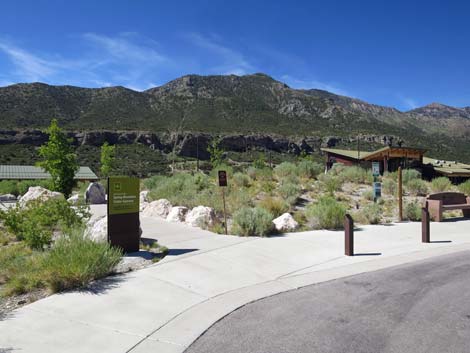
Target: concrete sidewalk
[165, 307]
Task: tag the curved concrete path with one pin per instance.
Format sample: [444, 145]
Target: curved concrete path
[165, 307]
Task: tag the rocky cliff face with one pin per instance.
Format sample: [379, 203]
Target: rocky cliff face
[192, 144]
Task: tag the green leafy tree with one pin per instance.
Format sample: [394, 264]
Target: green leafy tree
[59, 159]
[216, 152]
[108, 157]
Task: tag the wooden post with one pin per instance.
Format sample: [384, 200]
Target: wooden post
[348, 236]
[425, 226]
[400, 195]
[225, 211]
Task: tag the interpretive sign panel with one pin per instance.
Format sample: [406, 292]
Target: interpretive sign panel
[375, 168]
[123, 213]
[222, 178]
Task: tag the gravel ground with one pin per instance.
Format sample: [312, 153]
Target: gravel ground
[9, 304]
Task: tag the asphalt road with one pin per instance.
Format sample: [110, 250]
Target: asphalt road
[420, 307]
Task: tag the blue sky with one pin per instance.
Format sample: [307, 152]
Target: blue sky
[403, 54]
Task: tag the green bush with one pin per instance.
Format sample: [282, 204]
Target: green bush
[372, 213]
[327, 213]
[309, 169]
[74, 261]
[368, 195]
[441, 184]
[465, 188]
[252, 222]
[410, 174]
[331, 183]
[241, 180]
[274, 205]
[8, 187]
[37, 220]
[356, 175]
[389, 186]
[417, 187]
[260, 173]
[412, 211]
[285, 169]
[290, 192]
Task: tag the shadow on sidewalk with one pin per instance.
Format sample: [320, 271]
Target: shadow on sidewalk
[369, 254]
[176, 252]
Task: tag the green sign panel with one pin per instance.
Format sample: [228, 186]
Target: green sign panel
[123, 195]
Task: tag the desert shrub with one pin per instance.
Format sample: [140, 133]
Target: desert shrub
[252, 222]
[412, 211]
[37, 220]
[309, 169]
[327, 213]
[8, 187]
[290, 192]
[74, 261]
[260, 173]
[330, 183]
[285, 169]
[372, 213]
[389, 186]
[441, 184]
[417, 187]
[356, 175]
[368, 195]
[24, 185]
[236, 199]
[275, 205]
[465, 188]
[241, 180]
[410, 174]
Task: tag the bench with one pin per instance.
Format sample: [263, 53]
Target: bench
[447, 201]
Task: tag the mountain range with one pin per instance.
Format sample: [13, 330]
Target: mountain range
[233, 105]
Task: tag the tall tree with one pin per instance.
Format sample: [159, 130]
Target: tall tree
[59, 159]
[216, 152]
[108, 156]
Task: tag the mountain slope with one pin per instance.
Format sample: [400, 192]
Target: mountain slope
[229, 105]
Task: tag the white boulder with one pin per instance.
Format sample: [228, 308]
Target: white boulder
[7, 198]
[95, 194]
[177, 214]
[201, 216]
[39, 193]
[97, 229]
[143, 199]
[74, 199]
[160, 208]
[285, 223]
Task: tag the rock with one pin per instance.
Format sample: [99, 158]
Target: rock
[95, 194]
[134, 261]
[97, 229]
[160, 208]
[285, 223]
[144, 196]
[74, 199]
[201, 216]
[39, 193]
[177, 214]
[7, 198]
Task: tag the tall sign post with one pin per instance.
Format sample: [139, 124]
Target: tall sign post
[377, 185]
[223, 184]
[400, 194]
[123, 213]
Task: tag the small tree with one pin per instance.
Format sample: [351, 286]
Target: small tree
[108, 156]
[216, 152]
[59, 159]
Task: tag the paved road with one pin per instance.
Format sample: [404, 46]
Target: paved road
[421, 307]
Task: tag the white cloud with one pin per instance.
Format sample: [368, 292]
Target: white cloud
[28, 66]
[232, 61]
[409, 103]
[310, 84]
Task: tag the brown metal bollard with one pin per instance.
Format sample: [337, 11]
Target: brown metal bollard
[425, 226]
[348, 236]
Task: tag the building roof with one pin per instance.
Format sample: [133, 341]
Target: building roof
[378, 154]
[448, 168]
[347, 153]
[32, 172]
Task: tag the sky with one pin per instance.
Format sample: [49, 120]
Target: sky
[402, 54]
